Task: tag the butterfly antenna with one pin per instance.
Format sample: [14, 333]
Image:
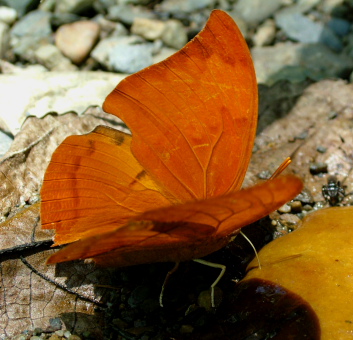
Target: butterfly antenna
[173, 270]
[213, 265]
[280, 169]
[253, 247]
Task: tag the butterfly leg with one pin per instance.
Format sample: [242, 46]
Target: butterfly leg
[173, 270]
[253, 247]
[213, 265]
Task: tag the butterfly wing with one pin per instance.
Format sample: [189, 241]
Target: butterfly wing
[193, 116]
[182, 232]
[193, 119]
[92, 182]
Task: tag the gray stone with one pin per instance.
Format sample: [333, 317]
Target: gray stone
[300, 28]
[36, 24]
[340, 26]
[44, 92]
[130, 58]
[163, 54]
[106, 4]
[256, 11]
[22, 6]
[303, 6]
[174, 34]
[73, 6]
[296, 62]
[51, 57]
[185, 6]
[32, 31]
[5, 142]
[330, 6]
[103, 49]
[59, 19]
[4, 39]
[127, 13]
[110, 28]
[7, 15]
[133, 2]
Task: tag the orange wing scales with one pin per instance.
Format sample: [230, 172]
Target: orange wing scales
[196, 116]
[187, 231]
[91, 177]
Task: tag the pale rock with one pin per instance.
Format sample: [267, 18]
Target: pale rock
[76, 40]
[7, 15]
[265, 33]
[51, 91]
[8, 68]
[149, 29]
[47, 5]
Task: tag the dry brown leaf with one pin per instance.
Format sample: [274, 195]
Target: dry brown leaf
[27, 297]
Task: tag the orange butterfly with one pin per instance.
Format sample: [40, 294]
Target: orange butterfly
[169, 192]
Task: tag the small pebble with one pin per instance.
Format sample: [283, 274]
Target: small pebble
[290, 221]
[67, 334]
[305, 197]
[318, 168]
[60, 332]
[55, 337]
[285, 208]
[265, 174]
[19, 337]
[307, 207]
[204, 298]
[321, 149]
[74, 337]
[296, 207]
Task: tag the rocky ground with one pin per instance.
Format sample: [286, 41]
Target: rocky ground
[62, 56]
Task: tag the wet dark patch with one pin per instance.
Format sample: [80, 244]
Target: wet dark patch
[261, 309]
